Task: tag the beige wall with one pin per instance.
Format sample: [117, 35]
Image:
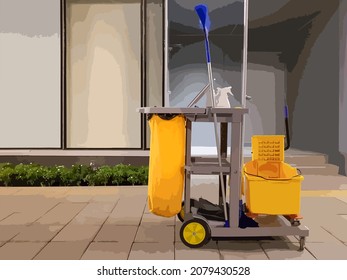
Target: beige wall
[103, 74]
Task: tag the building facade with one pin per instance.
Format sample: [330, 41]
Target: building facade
[73, 72]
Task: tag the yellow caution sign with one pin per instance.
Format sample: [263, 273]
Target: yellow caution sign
[166, 165]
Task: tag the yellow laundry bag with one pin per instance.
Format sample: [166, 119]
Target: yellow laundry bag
[166, 165]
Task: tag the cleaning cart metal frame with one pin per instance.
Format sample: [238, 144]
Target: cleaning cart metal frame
[231, 167]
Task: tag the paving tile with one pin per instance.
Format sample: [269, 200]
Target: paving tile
[344, 217]
[285, 251]
[207, 252]
[146, 210]
[63, 251]
[93, 214]
[34, 204]
[8, 190]
[114, 233]
[5, 213]
[77, 198]
[105, 198]
[314, 206]
[73, 232]
[94, 207]
[128, 219]
[328, 251]
[177, 229]
[8, 232]
[7, 203]
[154, 219]
[337, 226]
[80, 191]
[344, 199]
[129, 202]
[106, 194]
[25, 204]
[128, 211]
[96, 190]
[61, 214]
[78, 195]
[241, 251]
[136, 191]
[319, 234]
[314, 219]
[155, 233]
[29, 191]
[152, 251]
[38, 232]
[23, 218]
[20, 250]
[107, 251]
[54, 192]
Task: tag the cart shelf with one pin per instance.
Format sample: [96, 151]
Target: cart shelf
[208, 168]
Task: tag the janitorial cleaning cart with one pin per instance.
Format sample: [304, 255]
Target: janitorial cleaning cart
[265, 186]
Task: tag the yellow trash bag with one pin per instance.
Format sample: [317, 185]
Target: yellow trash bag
[166, 165]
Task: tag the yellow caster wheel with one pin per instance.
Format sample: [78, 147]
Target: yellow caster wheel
[181, 215]
[195, 233]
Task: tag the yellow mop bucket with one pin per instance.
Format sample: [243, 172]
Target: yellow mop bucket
[272, 188]
[166, 165]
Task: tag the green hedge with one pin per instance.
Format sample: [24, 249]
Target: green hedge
[77, 175]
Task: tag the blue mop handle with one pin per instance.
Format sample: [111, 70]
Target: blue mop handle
[202, 12]
[207, 48]
[286, 114]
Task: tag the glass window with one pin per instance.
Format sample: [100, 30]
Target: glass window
[30, 103]
[103, 76]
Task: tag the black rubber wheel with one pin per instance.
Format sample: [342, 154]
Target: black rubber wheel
[195, 233]
[302, 243]
[180, 215]
[295, 223]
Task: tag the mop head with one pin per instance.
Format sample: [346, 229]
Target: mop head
[245, 221]
[215, 212]
[202, 11]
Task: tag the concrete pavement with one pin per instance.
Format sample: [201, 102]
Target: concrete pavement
[114, 223]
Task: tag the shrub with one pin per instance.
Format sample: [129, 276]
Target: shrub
[6, 176]
[120, 174]
[78, 175]
[101, 176]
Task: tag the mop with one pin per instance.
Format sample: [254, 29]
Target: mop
[202, 12]
[244, 221]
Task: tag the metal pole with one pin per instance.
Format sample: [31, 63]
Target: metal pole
[245, 58]
[244, 79]
[166, 53]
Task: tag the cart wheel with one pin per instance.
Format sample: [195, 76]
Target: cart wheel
[180, 214]
[195, 233]
[302, 243]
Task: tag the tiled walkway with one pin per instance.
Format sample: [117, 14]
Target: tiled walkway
[114, 223]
